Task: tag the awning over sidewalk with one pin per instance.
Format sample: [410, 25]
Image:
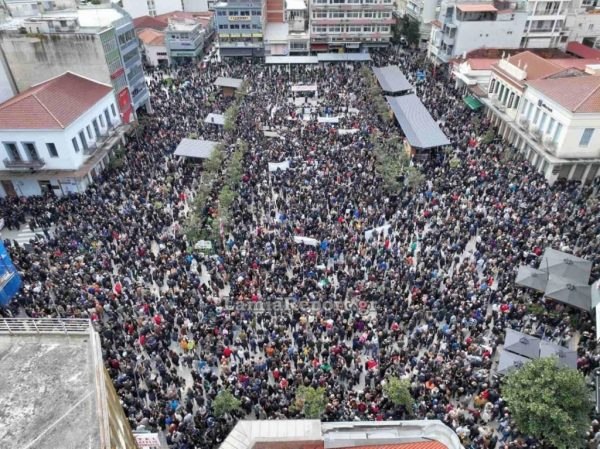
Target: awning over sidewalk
[473, 103]
[417, 124]
[199, 149]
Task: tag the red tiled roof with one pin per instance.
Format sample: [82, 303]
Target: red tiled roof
[152, 37]
[476, 7]
[574, 63]
[53, 104]
[583, 51]
[577, 93]
[537, 67]
[150, 22]
[419, 445]
[481, 63]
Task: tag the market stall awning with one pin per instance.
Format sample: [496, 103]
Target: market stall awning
[509, 361]
[473, 103]
[391, 79]
[566, 357]
[417, 124]
[199, 149]
[532, 278]
[568, 291]
[215, 119]
[222, 81]
[343, 57]
[522, 344]
[566, 265]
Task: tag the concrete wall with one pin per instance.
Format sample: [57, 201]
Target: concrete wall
[152, 54]
[33, 60]
[490, 34]
[7, 88]
[136, 8]
[195, 5]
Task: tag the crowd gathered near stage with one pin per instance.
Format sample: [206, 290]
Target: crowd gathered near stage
[428, 298]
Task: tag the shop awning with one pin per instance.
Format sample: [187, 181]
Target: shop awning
[473, 103]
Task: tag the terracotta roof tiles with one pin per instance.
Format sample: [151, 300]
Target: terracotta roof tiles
[577, 94]
[537, 67]
[418, 445]
[152, 37]
[53, 104]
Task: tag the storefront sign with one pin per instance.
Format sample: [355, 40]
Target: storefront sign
[239, 18]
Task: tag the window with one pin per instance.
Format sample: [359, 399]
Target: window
[244, 13]
[12, 151]
[256, 26]
[113, 110]
[336, 15]
[586, 137]
[354, 29]
[516, 103]
[536, 116]
[31, 151]
[320, 14]
[543, 121]
[223, 27]
[89, 131]
[368, 29]
[557, 133]
[52, 150]
[525, 104]
[492, 85]
[550, 125]
[83, 140]
[234, 13]
[368, 14]
[75, 144]
[335, 29]
[221, 13]
[256, 12]
[245, 26]
[234, 26]
[530, 111]
[126, 37]
[319, 29]
[353, 14]
[101, 120]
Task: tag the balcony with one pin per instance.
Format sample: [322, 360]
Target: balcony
[34, 164]
[107, 139]
[448, 40]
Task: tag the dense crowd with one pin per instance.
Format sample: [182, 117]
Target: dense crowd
[427, 298]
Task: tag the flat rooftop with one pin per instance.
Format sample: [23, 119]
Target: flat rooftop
[48, 393]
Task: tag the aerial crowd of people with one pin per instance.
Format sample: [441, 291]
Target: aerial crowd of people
[299, 291]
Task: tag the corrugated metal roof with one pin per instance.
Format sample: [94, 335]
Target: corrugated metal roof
[417, 124]
[291, 60]
[340, 57]
[200, 149]
[391, 79]
[222, 81]
[216, 119]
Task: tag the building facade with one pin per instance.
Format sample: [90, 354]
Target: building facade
[240, 26]
[463, 27]
[545, 24]
[184, 40]
[551, 114]
[350, 25]
[99, 43]
[56, 136]
[139, 8]
[423, 11]
[296, 16]
[583, 23]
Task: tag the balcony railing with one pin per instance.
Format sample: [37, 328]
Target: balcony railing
[28, 326]
[32, 164]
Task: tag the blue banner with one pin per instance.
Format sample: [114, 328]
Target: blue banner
[10, 281]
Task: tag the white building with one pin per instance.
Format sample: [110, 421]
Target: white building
[139, 8]
[545, 24]
[473, 74]
[550, 113]
[154, 48]
[583, 23]
[57, 136]
[423, 11]
[463, 27]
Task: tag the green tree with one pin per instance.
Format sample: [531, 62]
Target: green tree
[549, 402]
[398, 392]
[311, 401]
[225, 403]
[213, 164]
[410, 30]
[488, 137]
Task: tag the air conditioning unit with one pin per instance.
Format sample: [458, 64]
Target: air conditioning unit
[535, 132]
[523, 122]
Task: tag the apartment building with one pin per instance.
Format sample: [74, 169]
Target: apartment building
[140, 8]
[545, 24]
[297, 18]
[56, 137]
[97, 42]
[350, 25]
[240, 25]
[466, 26]
[583, 23]
[550, 113]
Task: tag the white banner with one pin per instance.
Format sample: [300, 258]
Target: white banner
[304, 88]
[328, 119]
[203, 244]
[379, 230]
[274, 166]
[147, 440]
[341, 132]
[306, 240]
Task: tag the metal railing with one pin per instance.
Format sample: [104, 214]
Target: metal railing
[52, 326]
[35, 163]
